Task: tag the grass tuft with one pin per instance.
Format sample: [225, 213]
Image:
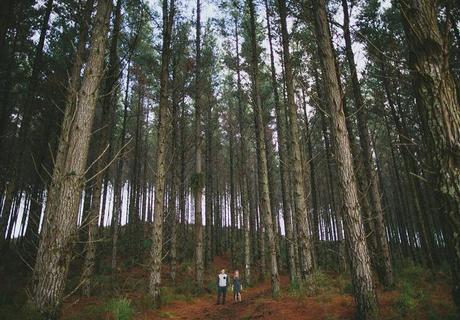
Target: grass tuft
[120, 308]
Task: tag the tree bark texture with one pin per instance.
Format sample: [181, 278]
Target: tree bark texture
[438, 104]
[156, 249]
[198, 178]
[59, 228]
[383, 265]
[300, 195]
[354, 233]
[264, 196]
[280, 113]
[106, 126]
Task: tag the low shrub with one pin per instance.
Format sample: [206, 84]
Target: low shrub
[169, 295]
[120, 308]
[348, 288]
[316, 283]
[409, 299]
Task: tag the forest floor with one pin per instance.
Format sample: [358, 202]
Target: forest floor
[416, 296]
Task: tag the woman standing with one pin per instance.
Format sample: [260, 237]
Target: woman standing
[237, 286]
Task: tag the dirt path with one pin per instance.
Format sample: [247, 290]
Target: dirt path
[329, 303]
[257, 304]
[205, 307]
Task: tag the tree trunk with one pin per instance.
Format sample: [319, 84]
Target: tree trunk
[264, 196]
[209, 185]
[354, 233]
[118, 185]
[300, 199]
[438, 105]
[59, 228]
[198, 178]
[283, 154]
[313, 181]
[106, 126]
[34, 79]
[233, 225]
[244, 167]
[384, 268]
[160, 170]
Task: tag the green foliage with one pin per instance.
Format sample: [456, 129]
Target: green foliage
[294, 286]
[186, 267]
[120, 308]
[410, 279]
[166, 314]
[169, 295]
[188, 288]
[27, 312]
[347, 288]
[91, 312]
[15, 306]
[412, 273]
[317, 283]
[145, 303]
[433, 315]
[197, 181]
[408, 300]
[415, 284]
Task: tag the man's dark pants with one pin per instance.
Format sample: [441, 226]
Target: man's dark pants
[221, 291]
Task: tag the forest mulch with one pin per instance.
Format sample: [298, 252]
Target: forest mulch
[329, 304]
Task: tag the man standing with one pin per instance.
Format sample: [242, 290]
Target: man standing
[222, 283]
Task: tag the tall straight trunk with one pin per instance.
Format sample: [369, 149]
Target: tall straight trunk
[264, 195]
[310, 159]
[354, 233]
[252, 196]
[7, 7]
[173, 221]
[363, 187]
[6, 69]
[384, 267]
[36, 68]
[438, 105]
[232, 194]
[19, 151]
[59, 229]
[22, 148]
[283, 154]
[119, 183]
[182, 191]
[271, 167]
[300, 195]
[209, 185]
[144, 178]
[160, 170]
[412, 171]
[106, 126]
[175, 181]
[133, 226]
[244, 169]
[32, 235]
[198, 183]
[333, 206]
[217, 219]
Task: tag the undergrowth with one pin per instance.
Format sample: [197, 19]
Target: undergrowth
[120, 308]
[317, 283]
[415, 285]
